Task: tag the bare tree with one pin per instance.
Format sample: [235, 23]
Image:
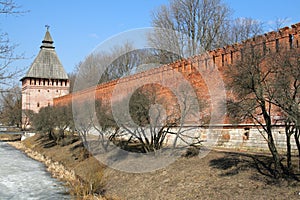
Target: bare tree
[190, 26]
[121, 61]
[152, 122]
[72, 78]
[44, 121]
[89, 71]
[287, 93]
[105, 127]
[241, 29]
[63, 119]
[249, 81]
[7, 55]
[9, 7]
[82, 115]
[154, 114]
[27, 117]
[11, 107]
[54, 121]
[279, 23]
[100, 67]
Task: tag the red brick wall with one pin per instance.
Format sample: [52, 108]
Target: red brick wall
[190, 69]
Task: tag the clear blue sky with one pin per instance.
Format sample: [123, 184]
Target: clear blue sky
[77, 27]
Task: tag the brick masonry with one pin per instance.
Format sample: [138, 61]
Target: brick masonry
[202, 72]
[38, 93]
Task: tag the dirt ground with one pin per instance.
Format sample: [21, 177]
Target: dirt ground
[219, 175]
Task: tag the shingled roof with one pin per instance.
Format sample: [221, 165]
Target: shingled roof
[46, 64]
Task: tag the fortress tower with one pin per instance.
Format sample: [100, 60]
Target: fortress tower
[46, 79]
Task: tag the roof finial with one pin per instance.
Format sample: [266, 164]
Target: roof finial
[47, 41]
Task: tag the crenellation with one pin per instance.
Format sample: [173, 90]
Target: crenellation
[194, 63]
[259, 39]
[190, 67]
[284, 32]
[297, 27]
[218, 52]
[236, 46]
[248, 42]
[181, 66]
[271, 36]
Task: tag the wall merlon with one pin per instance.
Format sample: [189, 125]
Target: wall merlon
[286, 37]
[297, 25]
[284, 32]
[228, 49]
[219, 51]
[259, 39]
[270, 36]
[248, 41]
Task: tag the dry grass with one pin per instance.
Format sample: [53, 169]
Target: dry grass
[219, 175]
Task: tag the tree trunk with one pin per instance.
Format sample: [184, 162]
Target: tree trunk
[288, 150]
[296, 135]
[271, 143]
[50, 135]
[275, 155]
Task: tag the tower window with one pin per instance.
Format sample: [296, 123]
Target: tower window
[38, 105]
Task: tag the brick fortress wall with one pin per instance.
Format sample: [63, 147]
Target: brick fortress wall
[198, 70]
[203, 73]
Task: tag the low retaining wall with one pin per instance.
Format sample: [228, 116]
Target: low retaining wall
[248, 138]
[238, 138]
